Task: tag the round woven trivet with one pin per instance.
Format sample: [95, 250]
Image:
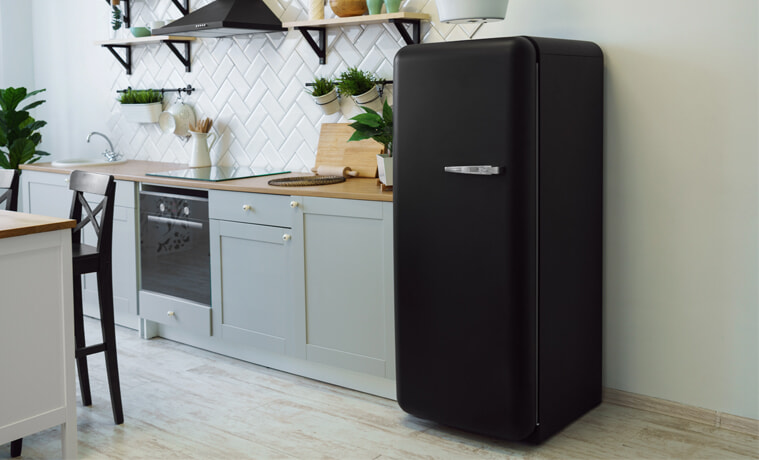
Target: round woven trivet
[306, 180]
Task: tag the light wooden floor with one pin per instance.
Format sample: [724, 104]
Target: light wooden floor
[185, 403]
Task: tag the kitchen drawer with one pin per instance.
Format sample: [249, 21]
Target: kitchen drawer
[53, 184]
[171, 311]
[254, 208]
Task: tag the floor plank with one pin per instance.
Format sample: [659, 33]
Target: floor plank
[184, 403]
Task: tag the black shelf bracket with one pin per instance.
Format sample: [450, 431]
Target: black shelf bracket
[126, 12]
[184, 9]
[319, 48]
[184, 59]
[127, 61]
[416, 26]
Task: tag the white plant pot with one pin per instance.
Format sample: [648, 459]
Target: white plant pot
[462, 12]
[385, 169]
[142, 113]
[369, 99]
[328, 102]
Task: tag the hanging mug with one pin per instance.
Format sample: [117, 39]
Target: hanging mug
[177, 119]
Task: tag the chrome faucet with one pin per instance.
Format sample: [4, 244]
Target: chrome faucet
[109, 154]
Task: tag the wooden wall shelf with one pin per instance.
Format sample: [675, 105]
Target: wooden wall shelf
[170, 40]
[321, 25]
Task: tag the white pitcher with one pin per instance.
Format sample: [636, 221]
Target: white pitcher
[201, 149]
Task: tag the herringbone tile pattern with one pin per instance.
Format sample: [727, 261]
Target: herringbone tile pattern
[253, 86]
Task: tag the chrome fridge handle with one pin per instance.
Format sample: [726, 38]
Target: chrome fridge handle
[477, 170]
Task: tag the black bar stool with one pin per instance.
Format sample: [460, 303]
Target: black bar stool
[95, 259]
[9, 189]
[9, 201]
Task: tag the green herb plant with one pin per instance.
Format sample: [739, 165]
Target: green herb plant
[142, 96]
[116, 18]
[322, 86]
[354, 82]
[372, 125]
[18, 131]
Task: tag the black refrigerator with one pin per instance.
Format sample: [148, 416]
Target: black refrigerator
[498, 163]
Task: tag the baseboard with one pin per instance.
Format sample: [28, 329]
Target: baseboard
[695, 414]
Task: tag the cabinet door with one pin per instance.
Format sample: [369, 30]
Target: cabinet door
[349, 284]
[48, 194]
[253, 286]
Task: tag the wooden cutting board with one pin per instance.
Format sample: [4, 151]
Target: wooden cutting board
[335, 150]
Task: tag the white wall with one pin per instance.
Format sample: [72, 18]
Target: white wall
[681, 227]
[682, 176]
[16, 68]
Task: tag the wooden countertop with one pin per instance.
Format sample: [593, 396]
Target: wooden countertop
[135, 171]
[20, 223]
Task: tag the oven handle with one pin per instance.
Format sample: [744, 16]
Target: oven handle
[169, 220]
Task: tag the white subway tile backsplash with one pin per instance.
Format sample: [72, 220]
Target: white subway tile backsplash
[253, 85]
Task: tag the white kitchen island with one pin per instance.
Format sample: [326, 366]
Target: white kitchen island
[37, 387]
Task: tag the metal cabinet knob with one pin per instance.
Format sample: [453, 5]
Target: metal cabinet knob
[294, 204]
[286, 237]
[246, 207]
[170, 313]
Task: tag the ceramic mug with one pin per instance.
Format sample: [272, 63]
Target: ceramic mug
[176, 119]
[392, 6]
[156, 25]
[375, 6]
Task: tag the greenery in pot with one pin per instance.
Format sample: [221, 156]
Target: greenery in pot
[372, 125]
[18, 131]
[322, 86]
[354, 82]
[140, 96]
[117, 19]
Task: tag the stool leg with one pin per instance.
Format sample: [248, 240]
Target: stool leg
[107, 325]
[79, 340]
[16, 447]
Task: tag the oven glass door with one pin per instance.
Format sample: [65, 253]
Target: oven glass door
[175, 255]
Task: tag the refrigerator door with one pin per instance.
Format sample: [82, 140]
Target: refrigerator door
[465, 226]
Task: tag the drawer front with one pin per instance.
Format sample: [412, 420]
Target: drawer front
[125, 190]
[254, 208]
[170, 311]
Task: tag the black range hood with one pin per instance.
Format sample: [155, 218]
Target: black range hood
[223, 18]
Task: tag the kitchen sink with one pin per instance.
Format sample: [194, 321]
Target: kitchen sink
[85, 162]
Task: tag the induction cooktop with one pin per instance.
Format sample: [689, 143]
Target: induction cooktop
[216, 173]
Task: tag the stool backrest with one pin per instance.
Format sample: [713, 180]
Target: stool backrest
[101, 216]
[9, 189]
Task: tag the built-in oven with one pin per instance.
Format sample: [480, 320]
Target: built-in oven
[175, 257]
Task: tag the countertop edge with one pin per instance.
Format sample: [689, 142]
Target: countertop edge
[20, 224]
[135, 171]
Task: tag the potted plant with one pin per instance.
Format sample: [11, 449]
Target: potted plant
[361, 86]
[141, 106]
[18, 131]
[324, 93]
[372, 125]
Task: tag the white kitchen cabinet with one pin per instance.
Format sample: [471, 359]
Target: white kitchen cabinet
[349, 284]
[299, 284]
[48, 194]
[256, 286]
[37, 336]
